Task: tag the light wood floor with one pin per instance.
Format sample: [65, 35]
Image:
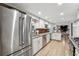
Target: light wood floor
[56, 48]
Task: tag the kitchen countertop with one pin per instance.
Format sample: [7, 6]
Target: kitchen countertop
[39, 35]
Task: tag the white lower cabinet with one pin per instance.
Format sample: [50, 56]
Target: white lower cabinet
[40, 43]
[76, 52]
[36, 44]
[56, 36]
[48, 37]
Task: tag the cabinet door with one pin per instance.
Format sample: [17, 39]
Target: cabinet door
[35, 45]
[58, 36]
[75, 31]
[40, 42]
[48, 38]
[76, 52]
[52, 36]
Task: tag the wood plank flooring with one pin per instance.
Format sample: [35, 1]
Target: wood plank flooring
[56, 48]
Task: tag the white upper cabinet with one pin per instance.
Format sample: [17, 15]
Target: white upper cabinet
[78, 14]
[41, 24]
[38, 23]
[76, 29]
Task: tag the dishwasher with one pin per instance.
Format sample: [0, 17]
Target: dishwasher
[44, 41]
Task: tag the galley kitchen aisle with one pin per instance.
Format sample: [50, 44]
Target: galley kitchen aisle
[39, 29]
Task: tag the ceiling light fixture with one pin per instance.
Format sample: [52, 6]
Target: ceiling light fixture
[59, 4]
[61, 13]
[39, 13]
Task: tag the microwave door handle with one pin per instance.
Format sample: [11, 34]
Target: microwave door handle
[20, 31]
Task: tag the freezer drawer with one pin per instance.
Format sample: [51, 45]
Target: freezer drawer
[24, 52]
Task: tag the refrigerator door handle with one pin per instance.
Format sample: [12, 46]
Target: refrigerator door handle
[20, 31]
[23, 32]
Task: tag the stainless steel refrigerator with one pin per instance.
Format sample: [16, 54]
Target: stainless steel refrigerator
[14, 32]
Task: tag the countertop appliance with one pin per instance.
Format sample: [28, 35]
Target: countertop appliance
[14, 32]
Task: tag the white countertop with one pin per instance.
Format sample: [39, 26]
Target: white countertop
[39, 35]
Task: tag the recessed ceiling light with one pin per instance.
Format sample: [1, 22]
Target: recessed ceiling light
[61, 13]
[39, 13]
[60, 4]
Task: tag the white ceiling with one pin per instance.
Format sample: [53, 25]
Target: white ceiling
[51, 11]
